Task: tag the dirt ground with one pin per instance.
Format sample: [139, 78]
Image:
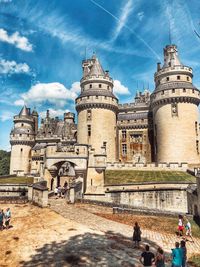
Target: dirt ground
[31, 228]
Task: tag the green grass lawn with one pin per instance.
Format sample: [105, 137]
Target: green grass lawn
[117, 177]
[16, 180]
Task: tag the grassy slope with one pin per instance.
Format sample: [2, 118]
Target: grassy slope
[134, 176]
[16, 180]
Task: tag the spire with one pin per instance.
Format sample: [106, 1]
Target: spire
[171, 58]
[24, 111]
[96, 67]
[34, 112]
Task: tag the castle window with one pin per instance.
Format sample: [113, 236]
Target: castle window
[89, 130]
[96, 96]
[108, 87]
[21, 149]
[173, 90]
[90, 85]
[196, 129]
[88, 97]
[99, 85]
[22, 124]
[28, 135]
[188, 78]
[104, 144]
[123, 134]
[197, 146]
[184, 90]
[174, 108]
[178, 77]
[162, 93]
[193, 91]
[124, 149]
[20, 134]
[105, 97]
[89, 114]
[36, 163]
[167, 79]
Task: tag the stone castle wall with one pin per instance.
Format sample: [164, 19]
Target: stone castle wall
[176, 135]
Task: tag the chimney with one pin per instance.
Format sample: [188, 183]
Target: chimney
[158, 66]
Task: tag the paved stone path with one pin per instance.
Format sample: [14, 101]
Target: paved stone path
[120, 233]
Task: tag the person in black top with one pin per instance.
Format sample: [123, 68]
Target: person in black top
[147, 257]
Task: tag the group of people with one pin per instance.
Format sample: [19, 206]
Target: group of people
[183, 223]
[61, 191]
[5, 219]
[148, 258]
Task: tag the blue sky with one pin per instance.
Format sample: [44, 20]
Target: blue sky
[42, 44]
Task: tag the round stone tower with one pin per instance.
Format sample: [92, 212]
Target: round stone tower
[174, 103]
[97, 107]
[22, 139]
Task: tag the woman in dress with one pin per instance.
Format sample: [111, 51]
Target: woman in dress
[160, 258]
[136, 234]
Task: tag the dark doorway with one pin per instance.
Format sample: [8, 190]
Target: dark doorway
[52, 181]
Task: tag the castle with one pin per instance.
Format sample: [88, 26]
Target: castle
[161, 127]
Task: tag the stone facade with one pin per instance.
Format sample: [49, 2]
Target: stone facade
[158, 129]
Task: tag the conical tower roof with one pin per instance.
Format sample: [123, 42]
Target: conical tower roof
[24, 111]
[96, 68]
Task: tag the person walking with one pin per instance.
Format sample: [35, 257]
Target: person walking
[180, 225]
[188, 230]
[1, 219]
[136, 235]
[177, 256]
[184, 251]
[160, 258]
[7, 216]
[147, 258]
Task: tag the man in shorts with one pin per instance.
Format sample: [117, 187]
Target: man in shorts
[188, 230]
[7, 218]
[147, 257]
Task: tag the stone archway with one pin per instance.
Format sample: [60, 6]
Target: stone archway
[62, 172]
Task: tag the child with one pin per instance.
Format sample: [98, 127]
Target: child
[180, 225]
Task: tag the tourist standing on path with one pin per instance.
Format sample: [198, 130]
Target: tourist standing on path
[188, 230]
[160, 258]
[184, 251]
[147, 257]
[1, 219]
[177, 256]
[180, 225]
[56, 191]
[136, 235]
[7, 216]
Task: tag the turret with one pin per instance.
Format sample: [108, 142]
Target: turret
[97, 107]
[22, 139]
[174, 103]
[35, 117]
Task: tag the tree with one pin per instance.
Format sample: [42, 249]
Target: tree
[4, 162]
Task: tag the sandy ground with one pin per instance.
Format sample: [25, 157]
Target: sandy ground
[32, 228]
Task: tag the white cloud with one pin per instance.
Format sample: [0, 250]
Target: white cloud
[75, 87]
[15, 39]
[19, 102]
[6, 115]
[123, 18]
[54, 112]
[140, 15]
[120, 89]
[11, 67]
[54, 93]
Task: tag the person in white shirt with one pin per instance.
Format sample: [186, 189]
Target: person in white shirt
[188, 230]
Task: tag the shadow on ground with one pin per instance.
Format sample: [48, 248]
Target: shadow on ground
[89, 249]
